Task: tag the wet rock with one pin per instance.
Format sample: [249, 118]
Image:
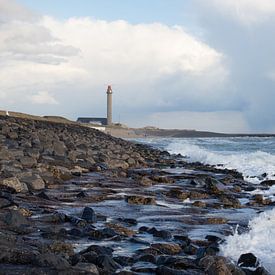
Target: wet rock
[163, 270]
[52, 260]
[200, 204]
[167, 248]
[248, 260]
[178, 193]
[146, 258]
[215, 187]
[164, 234]
[213, 239]
[121, 230]
[102, 234]
[216, 220]
[17, 255]
[198, 196]
[183, 239]
[15, 183]
[5, 203]
[82, 194]
[107, 263]
[229, 201]
[88, 268]
[142, 267]
[16, 219]
[140, 200]
[43, 195]
[268, 182]
[145, 181]
[218, 268]
[128, 221]
[99, 250]
[89, 215]
[61, 247]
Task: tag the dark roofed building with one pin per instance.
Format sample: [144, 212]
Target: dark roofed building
[93, 120]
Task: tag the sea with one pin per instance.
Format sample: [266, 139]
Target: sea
[254, 157]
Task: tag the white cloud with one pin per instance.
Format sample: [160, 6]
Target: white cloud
[43, 97]
[246, 11]
[151, 65]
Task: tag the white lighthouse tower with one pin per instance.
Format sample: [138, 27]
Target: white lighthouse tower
[109, 105]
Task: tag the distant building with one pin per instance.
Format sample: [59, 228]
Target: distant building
[101, 120]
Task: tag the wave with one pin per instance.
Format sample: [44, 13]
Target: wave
[259, 240]
[253, 165]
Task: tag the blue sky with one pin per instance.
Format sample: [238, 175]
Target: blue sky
[199, 64]
[142, 11]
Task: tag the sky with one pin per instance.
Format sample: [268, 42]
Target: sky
[188, 64]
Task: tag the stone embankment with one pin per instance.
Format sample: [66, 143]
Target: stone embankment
[74, 200]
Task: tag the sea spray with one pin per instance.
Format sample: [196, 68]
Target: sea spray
[259, 240]
[255, 162]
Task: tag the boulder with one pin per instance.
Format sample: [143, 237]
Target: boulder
[89, 215]
[86, 267]
[28, 162]
[52, 260]
[248, 260]
[15, 219]
[167, 248]
[117, 163]
[59, 148]
[34, 182]
[15, 183]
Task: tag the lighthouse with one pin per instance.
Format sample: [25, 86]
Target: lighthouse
[109, 105]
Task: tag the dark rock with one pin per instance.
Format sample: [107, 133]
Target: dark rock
[248, 260]
[43, 195]
[213, 239]
[99, 250]
[163, 270]
[164, 234]
[88, 268]
[52, 260]
[5, 203]
[107, 263]
[268, 182]
[129, 221]
[183, 239]
[82, 194]
[142, 267]
[124, 260]
[17, 255]
[89, 215]
[15, 219]
[146, 258]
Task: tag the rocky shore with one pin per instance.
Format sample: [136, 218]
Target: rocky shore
[74, 200]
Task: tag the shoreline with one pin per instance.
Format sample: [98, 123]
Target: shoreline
[71, 195]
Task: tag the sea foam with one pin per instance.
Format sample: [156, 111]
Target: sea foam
[259, 240]
[251, 164]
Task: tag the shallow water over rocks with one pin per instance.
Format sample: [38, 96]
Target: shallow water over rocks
[167, 225]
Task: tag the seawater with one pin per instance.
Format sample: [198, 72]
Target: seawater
[254, 157]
